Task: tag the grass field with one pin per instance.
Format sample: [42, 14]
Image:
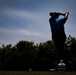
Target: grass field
[35, 73]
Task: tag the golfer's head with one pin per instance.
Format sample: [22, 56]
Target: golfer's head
[55, 14]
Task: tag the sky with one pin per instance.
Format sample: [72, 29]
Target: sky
[29, 19]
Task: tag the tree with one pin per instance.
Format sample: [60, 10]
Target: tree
[26, 52]
[43, 56]
[46, 55]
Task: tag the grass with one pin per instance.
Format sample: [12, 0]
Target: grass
[35, 73]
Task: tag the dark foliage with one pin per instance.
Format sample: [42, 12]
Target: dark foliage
[25, 55]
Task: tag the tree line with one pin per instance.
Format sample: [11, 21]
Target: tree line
[43, 56]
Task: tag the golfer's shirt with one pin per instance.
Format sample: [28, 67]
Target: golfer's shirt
[56, 25]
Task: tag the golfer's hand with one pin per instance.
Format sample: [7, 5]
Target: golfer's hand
[67, 13]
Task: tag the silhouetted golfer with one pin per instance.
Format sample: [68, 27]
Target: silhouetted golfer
[58, 33]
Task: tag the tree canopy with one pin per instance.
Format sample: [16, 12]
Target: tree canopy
[43, 56]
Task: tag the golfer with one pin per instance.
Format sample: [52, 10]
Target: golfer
[58, 31]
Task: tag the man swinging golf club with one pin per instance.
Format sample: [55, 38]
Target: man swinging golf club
[58, 33]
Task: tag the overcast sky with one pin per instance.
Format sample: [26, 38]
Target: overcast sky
[29, 19]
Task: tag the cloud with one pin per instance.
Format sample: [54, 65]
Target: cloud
[21, 32]
[13, 36]
[20, 13]
[30, 33]
[36, 22]
[35, 28]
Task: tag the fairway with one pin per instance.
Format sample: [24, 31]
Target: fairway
[35, 73]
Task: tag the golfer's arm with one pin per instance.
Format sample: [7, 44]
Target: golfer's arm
[60, 13]
[64, 14]
[65, 18]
